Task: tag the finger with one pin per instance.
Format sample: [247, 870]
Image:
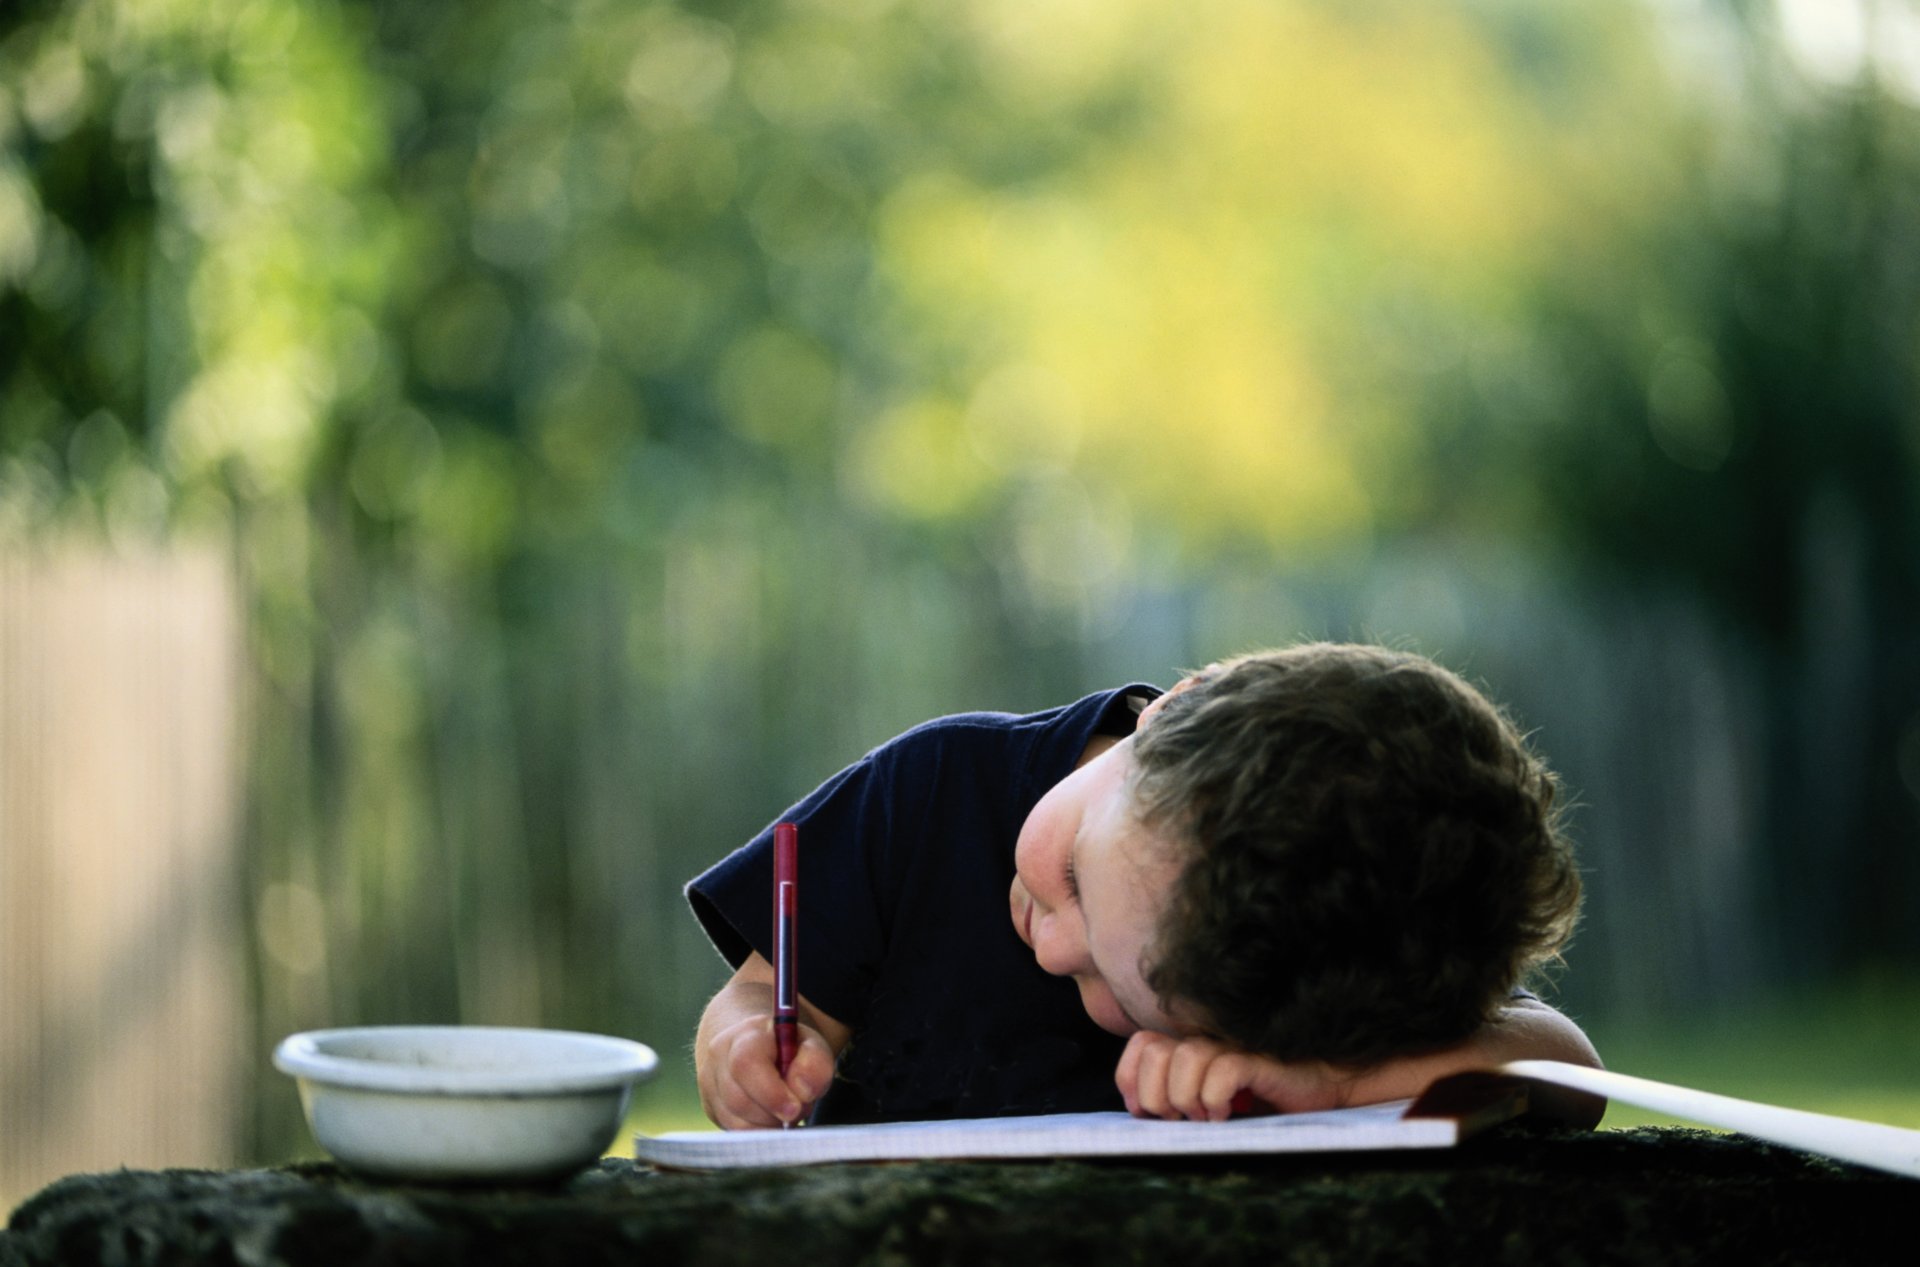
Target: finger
[1126, 1075]
[1149, 1081]
[1155, 1060]
[761, 1100]
[756, 1078]
[1185, 1074]
[718, 1095]
[1220, 1091]
[811, 1072]
[733, 1109]
[742, 1115]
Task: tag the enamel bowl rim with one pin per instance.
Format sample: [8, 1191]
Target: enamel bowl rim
[594, 1062]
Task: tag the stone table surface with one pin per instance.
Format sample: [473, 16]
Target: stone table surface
[1519, 1195]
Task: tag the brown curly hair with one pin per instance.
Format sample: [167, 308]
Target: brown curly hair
[1374, 857]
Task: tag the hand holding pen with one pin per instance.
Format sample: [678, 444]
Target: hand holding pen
[749, 1075]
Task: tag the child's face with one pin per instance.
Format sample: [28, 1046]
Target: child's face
[1089, 885]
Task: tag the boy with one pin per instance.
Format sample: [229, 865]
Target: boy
[1313, 875]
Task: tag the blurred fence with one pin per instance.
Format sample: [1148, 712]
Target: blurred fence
[120, 974]
[514, 791]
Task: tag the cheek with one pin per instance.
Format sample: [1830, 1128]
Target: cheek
[1036, 855]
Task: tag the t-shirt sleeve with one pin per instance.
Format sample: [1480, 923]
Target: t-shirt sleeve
[845, 833]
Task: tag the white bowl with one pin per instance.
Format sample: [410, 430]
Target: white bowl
[463, 1102]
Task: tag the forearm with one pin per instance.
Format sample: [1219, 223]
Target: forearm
[1524, 1030]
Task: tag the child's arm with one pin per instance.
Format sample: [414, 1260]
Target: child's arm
[734, 1060]
[1198, 1078]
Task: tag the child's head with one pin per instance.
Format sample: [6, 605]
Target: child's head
[1367, 855]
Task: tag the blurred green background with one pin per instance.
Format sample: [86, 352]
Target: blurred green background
[617, 415]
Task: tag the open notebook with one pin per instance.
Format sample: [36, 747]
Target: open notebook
[1452, 1109]
[1431, 1122]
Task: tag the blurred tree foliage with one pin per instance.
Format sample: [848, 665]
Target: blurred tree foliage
[567, 375]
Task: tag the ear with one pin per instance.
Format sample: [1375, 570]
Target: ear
[1152, 710]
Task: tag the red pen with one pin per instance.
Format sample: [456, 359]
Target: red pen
[786, 931]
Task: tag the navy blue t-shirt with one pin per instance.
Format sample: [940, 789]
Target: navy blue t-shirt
[906, 935]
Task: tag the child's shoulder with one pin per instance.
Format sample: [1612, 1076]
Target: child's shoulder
[1023, 731]
[1023, 746]
[955, 736]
